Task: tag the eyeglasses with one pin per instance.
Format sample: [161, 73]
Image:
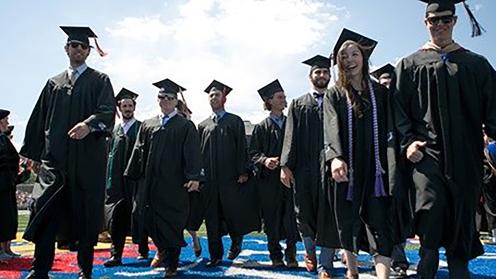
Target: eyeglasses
[169, 98]
[436, 20]
[75, 45]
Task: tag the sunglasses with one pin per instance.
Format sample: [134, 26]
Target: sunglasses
[75, 45]
[435, 20]
[169, 98]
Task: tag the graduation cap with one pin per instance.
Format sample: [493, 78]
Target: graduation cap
[436, 6]
[348, 35]
[4, 113]
[318, 61]
[126, 94]
[270, 89]
[81, 34]
[385, 71]
[168, 87]
[219, 86]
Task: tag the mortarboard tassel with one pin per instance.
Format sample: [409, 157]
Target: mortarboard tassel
[477, 29]
[99, 50]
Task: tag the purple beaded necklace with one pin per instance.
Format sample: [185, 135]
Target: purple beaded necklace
[379, 171]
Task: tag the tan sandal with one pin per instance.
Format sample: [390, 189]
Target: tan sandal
[349, 275]
[310, 262]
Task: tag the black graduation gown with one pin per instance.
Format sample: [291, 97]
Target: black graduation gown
[121, 192]
[165, 158]
[302, 152]
[363, 223]
[224, 156]
[72, 174]
[276, 200]
[445, 100]
[9, 166]
[486, 211]
[197, 210]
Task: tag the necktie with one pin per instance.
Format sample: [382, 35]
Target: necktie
[164, 120]
[72, 75]
[319, 98]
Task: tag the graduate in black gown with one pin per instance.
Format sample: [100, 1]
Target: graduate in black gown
[66, 133]
[400, 182]
[487, 206]
[122, 206]
[166, 158]
[276, 200]
[230, 198]
[9, 168]
[301, 169]
[385, 75]
[444, 94]
[355, 135]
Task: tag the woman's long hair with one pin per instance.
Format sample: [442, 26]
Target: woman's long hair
[344, 83]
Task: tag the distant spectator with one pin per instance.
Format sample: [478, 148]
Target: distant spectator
[9, 167]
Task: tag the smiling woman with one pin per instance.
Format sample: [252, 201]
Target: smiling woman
[355, 113]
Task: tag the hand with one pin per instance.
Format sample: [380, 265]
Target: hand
[192, 185]
[339, 170]
[271, 163]
[79, 131]
[287, 177]
[413, 152]
[242, 178]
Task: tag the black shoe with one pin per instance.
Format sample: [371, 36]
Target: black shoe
[234, 252]
[291, 262]
[277, 263]
[114, 261]
[290, 255]
[398, 273]
[214, 263]
[33, 275]
[83, 275]
[170, 272]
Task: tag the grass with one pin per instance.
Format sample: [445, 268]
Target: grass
[22, 222]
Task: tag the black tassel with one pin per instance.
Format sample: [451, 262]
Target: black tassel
[477, 29]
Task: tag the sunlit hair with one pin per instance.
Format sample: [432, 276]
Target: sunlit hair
[344, 83]
[183, 110]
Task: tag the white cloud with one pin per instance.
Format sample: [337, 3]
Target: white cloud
[244, 44]
[147, 29]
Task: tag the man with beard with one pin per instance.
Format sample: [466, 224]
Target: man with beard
[445, 94]
[121, 192]
[276, 200]
[67, 133]
[301, 169]
[166, 158]
[231, 201]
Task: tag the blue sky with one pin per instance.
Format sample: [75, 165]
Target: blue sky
[243, 43]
